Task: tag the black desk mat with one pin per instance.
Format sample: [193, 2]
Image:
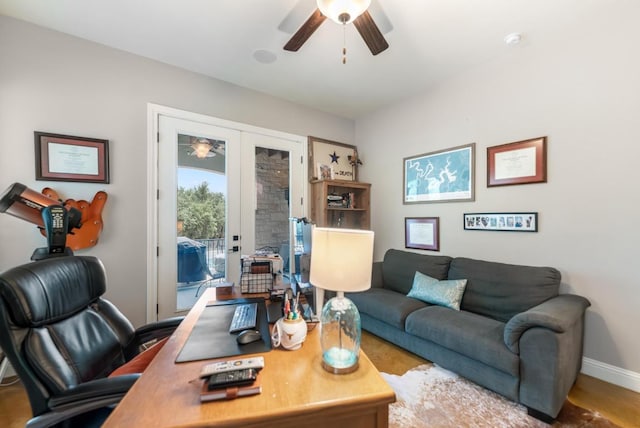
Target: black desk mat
[210, 337]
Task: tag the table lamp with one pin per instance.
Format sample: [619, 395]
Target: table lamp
[341, 261]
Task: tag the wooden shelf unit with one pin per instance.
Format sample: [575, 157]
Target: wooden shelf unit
[355, 216]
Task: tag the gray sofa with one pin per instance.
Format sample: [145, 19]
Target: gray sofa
[514, 334]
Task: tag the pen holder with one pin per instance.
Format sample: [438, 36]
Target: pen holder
[289, 333]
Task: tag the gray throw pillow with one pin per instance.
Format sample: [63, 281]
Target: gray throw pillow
[444, 293]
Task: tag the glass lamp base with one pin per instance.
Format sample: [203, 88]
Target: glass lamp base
[340, 335]
[339, 361]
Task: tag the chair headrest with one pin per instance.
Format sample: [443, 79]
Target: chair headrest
[50, 290]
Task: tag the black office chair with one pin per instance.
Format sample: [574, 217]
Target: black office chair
[63, 339]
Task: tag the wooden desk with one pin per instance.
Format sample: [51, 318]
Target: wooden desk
[296, 391]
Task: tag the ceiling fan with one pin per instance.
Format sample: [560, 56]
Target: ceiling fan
[205, 148]
[342, 12]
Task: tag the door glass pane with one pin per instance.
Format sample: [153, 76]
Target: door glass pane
[272, 224]
[201, 199]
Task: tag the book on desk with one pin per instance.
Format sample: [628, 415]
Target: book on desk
[231, 392]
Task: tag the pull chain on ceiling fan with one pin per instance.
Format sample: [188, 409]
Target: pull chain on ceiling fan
[344, 44]
[342, 12]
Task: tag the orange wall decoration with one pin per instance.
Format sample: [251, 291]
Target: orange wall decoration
[87, 235]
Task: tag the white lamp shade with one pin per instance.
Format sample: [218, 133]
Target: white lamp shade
[333, 9]
[341, 259]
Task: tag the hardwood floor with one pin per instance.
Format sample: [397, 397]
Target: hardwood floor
[15, 410]
[619, 405]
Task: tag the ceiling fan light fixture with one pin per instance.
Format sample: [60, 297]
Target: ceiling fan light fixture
[202, 148]
[343, 11]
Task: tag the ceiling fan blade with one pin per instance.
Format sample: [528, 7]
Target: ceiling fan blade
[370, 33]
[299, 13]
[382, 20]
[304, 32]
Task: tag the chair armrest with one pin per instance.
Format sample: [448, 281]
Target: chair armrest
[557, 314]
[157, 330]
[376, 275]
[94, 390]
[86, 397]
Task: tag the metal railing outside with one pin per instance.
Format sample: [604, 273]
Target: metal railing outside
[215, 255]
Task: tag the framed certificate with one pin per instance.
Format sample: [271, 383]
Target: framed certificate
[422, 233]
[522, 162]
[68, 158]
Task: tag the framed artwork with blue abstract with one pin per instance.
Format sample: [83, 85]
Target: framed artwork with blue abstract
[442, 176]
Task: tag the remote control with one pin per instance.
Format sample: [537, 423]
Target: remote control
[232, 378]
[256, 363]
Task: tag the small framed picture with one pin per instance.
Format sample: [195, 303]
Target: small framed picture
[422, 233]
[522, 162]
[502, 222]
[68, 158]
[325, 172]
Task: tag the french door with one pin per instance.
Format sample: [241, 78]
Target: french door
[259, 178]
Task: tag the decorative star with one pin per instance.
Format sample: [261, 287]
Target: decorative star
[334, 157]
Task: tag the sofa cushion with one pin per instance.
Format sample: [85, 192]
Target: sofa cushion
[500, 290]
[385, 305]
[447, 293]
[399, 268]
[466, 333]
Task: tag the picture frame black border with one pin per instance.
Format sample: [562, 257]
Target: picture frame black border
[503, 214]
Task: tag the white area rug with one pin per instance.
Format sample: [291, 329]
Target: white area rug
[430, 396]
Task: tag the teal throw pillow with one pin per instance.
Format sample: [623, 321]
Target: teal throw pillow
[444, 293]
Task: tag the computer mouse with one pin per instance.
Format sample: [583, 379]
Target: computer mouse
[248, 336]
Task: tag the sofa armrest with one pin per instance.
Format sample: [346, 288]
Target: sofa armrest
[376, 275]
[557, 314]
[549, 341]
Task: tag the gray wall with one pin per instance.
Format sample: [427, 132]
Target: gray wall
[582, 93]
[57, 83]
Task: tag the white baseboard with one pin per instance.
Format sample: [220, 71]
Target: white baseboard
[612, 374]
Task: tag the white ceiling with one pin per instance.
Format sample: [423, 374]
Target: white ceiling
[429, 40]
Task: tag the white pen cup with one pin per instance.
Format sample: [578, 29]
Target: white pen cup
[290, 334]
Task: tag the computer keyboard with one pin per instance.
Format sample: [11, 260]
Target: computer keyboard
[244, 317]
